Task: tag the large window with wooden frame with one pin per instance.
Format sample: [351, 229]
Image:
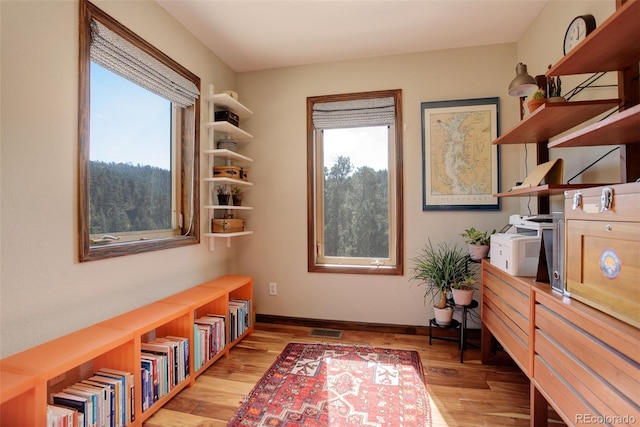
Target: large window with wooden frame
[355, 209]
[138, 143]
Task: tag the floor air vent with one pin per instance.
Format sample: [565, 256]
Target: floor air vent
[326, 333]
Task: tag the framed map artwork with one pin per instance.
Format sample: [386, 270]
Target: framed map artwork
[460, 165]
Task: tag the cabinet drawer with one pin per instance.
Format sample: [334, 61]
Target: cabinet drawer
[505, 312]
[581, 363]
[603, 266]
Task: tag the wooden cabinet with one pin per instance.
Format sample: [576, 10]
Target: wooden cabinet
[581, 361]
[603, 242]
[223, 156]
[27, 378]
[506, 302]
[585, 362]
[613, 46]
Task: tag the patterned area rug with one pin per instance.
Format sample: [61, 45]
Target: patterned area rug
[334, 385]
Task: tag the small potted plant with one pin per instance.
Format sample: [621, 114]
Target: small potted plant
[236, 195]
[437, 268]
[478, 242]
[536, 99]
[554, 89]
[463, 289]
[223, 195]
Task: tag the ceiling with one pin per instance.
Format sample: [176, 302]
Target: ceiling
[263, 34]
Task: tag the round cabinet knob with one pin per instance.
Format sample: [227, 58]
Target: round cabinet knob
[608, 227]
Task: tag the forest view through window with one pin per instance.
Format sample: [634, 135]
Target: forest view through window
[355, 184]
[130, 160]
[356, 192]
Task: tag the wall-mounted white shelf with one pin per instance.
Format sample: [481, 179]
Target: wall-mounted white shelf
[224, 101]
[218, 102]
[228, 129]
[228, 236]
[222, 153]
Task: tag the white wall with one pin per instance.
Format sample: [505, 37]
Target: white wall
[45, 291]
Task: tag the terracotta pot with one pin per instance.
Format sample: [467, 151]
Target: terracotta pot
[237, 200]
[478, 252]
[534, 104]
[462, 296]
[443, 315]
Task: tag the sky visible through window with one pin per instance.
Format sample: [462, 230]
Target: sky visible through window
[364, 146]
[129, 124]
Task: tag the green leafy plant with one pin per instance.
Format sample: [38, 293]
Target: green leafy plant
[476, 237]
[538, 94]
[437, 268]
[467, 282]
[236, 191]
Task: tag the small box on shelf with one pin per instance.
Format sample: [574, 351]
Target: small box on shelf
[234, 172]
[227, 225]
[227, 116]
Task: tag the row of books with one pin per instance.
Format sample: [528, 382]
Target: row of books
[104, 400]
[210, 338]
[164, 364]
[239, 317]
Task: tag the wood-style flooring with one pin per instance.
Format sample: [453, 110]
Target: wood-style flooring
[462, 394]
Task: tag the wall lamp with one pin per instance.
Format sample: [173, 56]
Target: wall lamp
[522, 85]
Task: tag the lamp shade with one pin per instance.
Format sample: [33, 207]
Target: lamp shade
[523, 84]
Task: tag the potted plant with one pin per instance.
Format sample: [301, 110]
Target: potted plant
[223, 195]
[478, 242]
[554, 89]
[236, 195]
[437, 268]
[463, 289]
[537, 98]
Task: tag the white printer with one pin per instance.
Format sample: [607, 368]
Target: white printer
[516, 251]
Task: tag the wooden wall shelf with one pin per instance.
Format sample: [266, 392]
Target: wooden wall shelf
[620, 128]
[612, 46]
[554, 118]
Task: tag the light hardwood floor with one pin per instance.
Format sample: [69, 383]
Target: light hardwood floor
[462, 394]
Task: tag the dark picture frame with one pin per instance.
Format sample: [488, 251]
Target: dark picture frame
[460, 163]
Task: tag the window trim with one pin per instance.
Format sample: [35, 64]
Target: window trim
[189, 150]
[312, 174]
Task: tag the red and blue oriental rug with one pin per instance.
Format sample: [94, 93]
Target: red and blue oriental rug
[315, 385]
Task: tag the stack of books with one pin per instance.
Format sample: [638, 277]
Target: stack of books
[165, 364]
[210, 338]
[104, 400]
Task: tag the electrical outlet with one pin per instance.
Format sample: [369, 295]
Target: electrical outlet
[273, 288]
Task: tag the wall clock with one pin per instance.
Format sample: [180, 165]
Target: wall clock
[578, 30]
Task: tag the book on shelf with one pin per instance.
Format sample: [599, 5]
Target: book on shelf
[73, 402]
[153, 387]
[108, 406]
[128, 381]
[60, 416]
[94, 416]
[119, 398]
[164, 372]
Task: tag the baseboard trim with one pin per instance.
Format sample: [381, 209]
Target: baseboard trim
[360, 326]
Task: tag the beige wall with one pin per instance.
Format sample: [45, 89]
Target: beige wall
[45, 292]
[277, 251]
[540, 46]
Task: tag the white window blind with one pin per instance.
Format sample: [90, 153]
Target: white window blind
[355, 113]
[116, 54]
